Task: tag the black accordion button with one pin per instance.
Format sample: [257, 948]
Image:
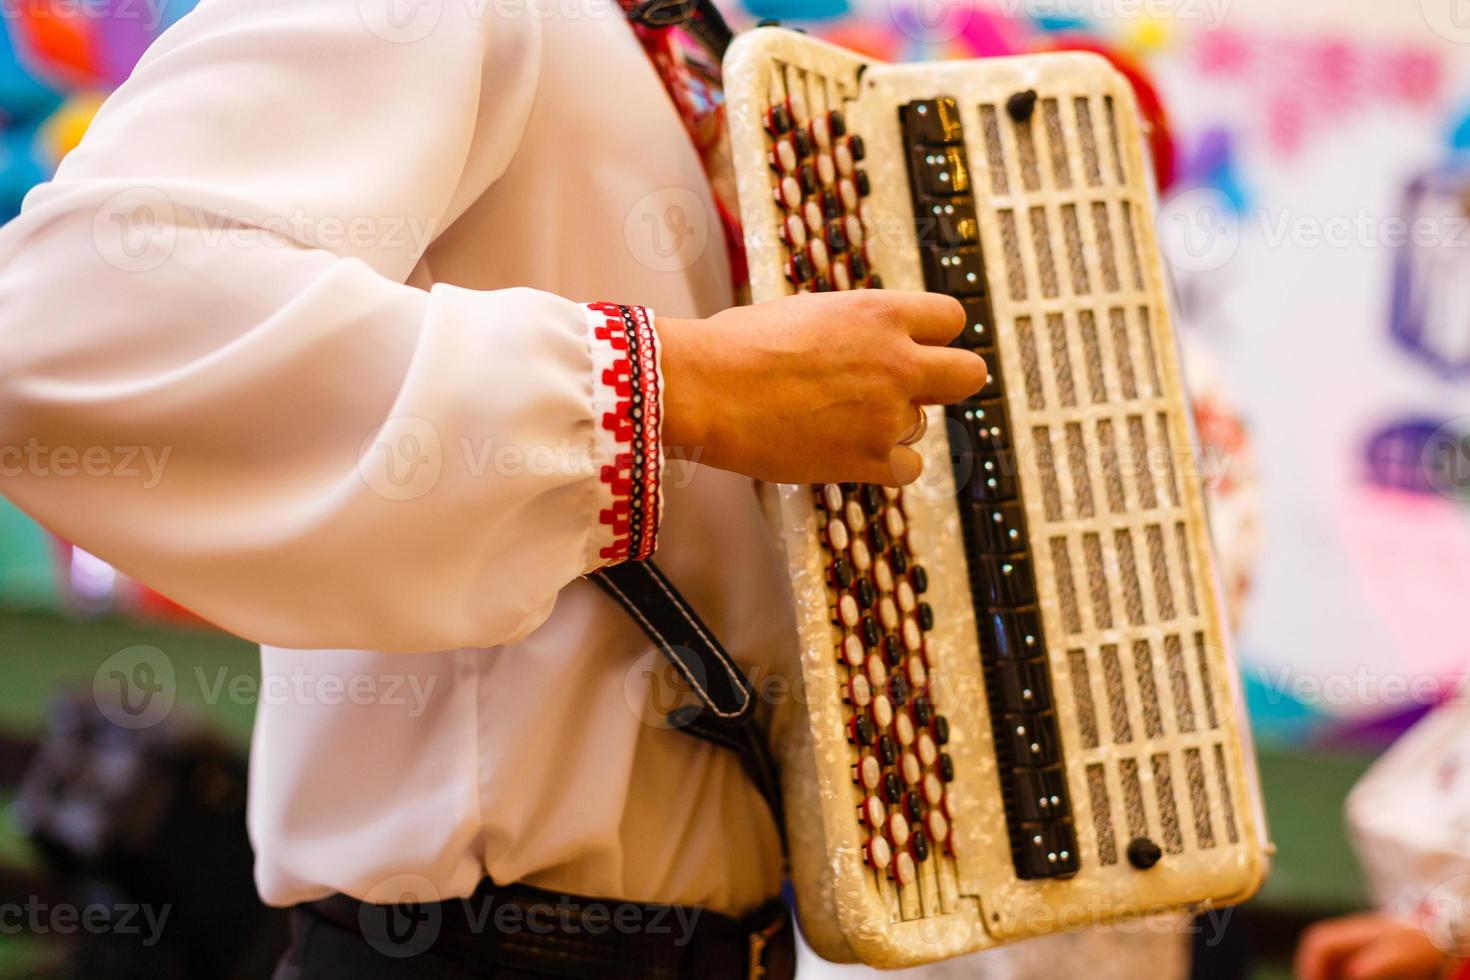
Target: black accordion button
[923, 712]
[959, 272]
[919, 579]
[866, 594]
[822, 284]
[978, 334]
[857, 147]
[899, 560]
[992, 477]
[940, 171]
[871, 494]
[926, 616]
[913, 807]
[892, 788]
[836, 124]
[842, 573]
[857, 267]
[831, 205]
[1024, 685]
[932, 121]
[1047, 851]
[941, 729]
[868, 632]
[898, 690]
[877, 538]
[807, 176]
[836, 237]
[888, 752]
[863, 184]
[862, 730]
[1004, 582]
[802, 142]
[1014, 635]
[1040, 794]
[1032, 740]
[919, 845]
[893, 652]
[778, 119]
[946, 767]
[799, 269]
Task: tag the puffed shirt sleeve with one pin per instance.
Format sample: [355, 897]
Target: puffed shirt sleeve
[227, 369]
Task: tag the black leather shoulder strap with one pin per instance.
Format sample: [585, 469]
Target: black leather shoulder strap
[725, 714]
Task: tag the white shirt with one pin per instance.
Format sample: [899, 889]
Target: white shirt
[303, 220]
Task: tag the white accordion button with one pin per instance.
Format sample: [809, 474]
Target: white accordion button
[891, 492]
[859, 691]
[928, 751]
[841, 280]
[826, 170]
[904, 727]
[852, 651]
[847, 190]
[842, 154]
[816, 251]
[883, 572]
[821, 133]
[906, 600]
[933, 789]
[879, 854]
[870, 771]
[855, 519]
[918, 674]
[832, 497]
[789, 193]
[837, 534]
[912, 771]
[887, 613]
[938, 827]
[861, 557]
[882, 711]
[847, 610]
[913, 637]
[896, 525]
[783, 156]
[904, 869]
[793, 232]
[813, 213]
[877, 672]
[873, 810]
[854, 231]
[898, 831]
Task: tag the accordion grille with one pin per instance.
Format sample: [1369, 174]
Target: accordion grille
[1082, 326]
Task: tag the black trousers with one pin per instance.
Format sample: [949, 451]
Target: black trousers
[522, 933]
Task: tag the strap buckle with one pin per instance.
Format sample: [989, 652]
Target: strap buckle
[759, 940]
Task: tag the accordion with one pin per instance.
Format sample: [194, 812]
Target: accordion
[1019, 711]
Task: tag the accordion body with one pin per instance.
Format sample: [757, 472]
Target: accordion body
[1018, 712]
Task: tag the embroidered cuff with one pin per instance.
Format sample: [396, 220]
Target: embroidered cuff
[627, 408]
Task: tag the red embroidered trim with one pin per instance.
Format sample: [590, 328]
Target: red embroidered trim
[633, 476]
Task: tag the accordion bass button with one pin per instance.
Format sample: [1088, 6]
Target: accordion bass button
[898, 830]
[826, 169]
[941, 730]
[868, 632]
[938, 826]
[887, 750]
[869, 772]
[837, 535]
[841, 281]
[847, 611]
[903, 869]
[912, 770]
[832, 497]
[933, 789]
[928, 751]
[861, 557]
[913, 638]
[874, 811]
[883, 575]
[859, 691]
[852, 651]
[907, 601]
[903, 727]
[877, 672]
[877, 852]
[778, 119]
[866, 595]
[882, 711]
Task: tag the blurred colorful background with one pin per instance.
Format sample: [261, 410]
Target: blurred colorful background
[1297, 147]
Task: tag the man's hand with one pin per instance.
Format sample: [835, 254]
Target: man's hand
[1367, 947]
[816, 388]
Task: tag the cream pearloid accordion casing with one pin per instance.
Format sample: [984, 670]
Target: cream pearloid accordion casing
[1018, 711]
